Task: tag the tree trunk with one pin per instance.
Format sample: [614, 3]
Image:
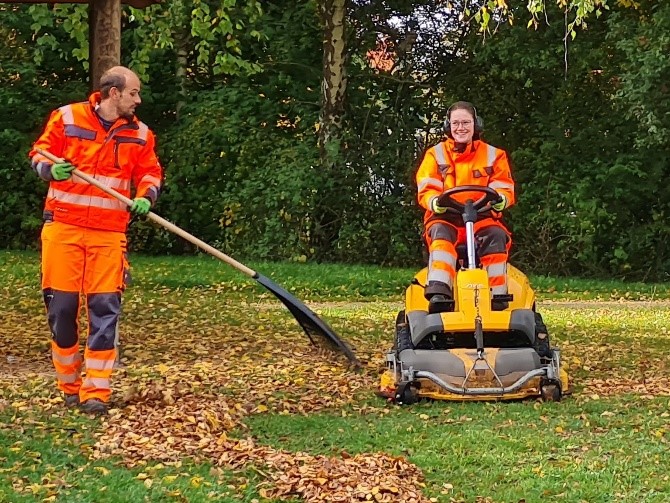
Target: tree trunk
[104, 28]
[333, 94]
[182, 37]
[334, 84]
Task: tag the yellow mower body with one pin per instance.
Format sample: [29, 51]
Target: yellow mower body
[438, 355]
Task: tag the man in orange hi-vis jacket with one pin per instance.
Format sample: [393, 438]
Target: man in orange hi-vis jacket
[463, 159]
[83, 238]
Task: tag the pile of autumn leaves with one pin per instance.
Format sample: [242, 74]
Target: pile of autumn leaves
[186, 412]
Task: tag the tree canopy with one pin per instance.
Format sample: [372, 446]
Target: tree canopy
[264, 161]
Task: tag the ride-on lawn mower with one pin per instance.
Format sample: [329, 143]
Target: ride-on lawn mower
[472, 352]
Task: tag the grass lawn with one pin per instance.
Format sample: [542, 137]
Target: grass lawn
[222, 398]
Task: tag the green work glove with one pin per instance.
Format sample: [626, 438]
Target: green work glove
[501, 205]
[436, 208]
[141, 206]
[61, 171]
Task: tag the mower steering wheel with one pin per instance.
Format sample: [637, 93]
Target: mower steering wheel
[487, 198]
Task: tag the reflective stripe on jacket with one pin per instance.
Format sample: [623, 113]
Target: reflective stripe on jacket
[121, 157]
[480, 164]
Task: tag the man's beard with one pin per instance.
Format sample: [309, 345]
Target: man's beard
[127, 115]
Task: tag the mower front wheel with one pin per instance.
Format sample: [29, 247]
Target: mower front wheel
[407, 393]
[551, 392]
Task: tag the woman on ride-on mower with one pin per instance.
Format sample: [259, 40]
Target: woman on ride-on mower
[463, 159]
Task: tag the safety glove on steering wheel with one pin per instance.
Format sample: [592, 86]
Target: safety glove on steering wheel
[140, 206]
[436, 208]
[61, 171]
[499, 206]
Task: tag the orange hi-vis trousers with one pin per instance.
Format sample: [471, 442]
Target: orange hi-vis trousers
[493, 243]
[78, 260]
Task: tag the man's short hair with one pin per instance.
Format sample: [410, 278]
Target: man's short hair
[109, 80]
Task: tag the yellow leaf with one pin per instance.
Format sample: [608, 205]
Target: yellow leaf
[104, 471]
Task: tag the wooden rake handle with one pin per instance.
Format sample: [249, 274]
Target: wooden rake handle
[159, 220]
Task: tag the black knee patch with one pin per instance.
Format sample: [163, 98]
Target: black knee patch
[62, 314]
[103, 318]
[442, 231]
[492, 240]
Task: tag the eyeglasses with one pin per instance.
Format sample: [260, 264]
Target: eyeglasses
[457, 124]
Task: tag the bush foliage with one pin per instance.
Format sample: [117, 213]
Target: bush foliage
[588, 139]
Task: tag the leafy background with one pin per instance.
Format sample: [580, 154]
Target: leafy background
[234, 95]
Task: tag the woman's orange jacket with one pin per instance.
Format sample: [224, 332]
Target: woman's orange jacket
[120, 158]
[480, 164]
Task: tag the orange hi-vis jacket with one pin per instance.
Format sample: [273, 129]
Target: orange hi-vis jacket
[480, 164]
[122, 156]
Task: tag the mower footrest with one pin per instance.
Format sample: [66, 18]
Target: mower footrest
[505, 297]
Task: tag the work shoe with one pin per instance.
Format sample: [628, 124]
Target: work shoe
[440, 304]
[94, 406]
[71, 401]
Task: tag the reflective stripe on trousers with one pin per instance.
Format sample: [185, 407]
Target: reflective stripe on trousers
[441, 254]
[67, 363]
[99, 366]
[495, 265]
[74, 260]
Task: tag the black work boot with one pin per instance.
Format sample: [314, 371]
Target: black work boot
[71, 401]
[94, 406]
[440, 297]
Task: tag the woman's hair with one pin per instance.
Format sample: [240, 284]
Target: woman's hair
[463, 105]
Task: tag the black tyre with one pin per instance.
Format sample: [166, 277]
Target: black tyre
[400, 318]
[406, 393]
[551, 392]
[403, 337]
[542, 344]
[539, 324]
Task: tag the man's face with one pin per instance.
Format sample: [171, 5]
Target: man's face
[462, 126]
[128, 100]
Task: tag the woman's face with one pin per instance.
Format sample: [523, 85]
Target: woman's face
[462, 125]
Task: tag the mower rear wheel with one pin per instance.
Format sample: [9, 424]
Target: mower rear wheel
[403, 337]
[551, 392]
[400, 318]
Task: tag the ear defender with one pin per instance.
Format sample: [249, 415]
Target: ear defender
[479, 123]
